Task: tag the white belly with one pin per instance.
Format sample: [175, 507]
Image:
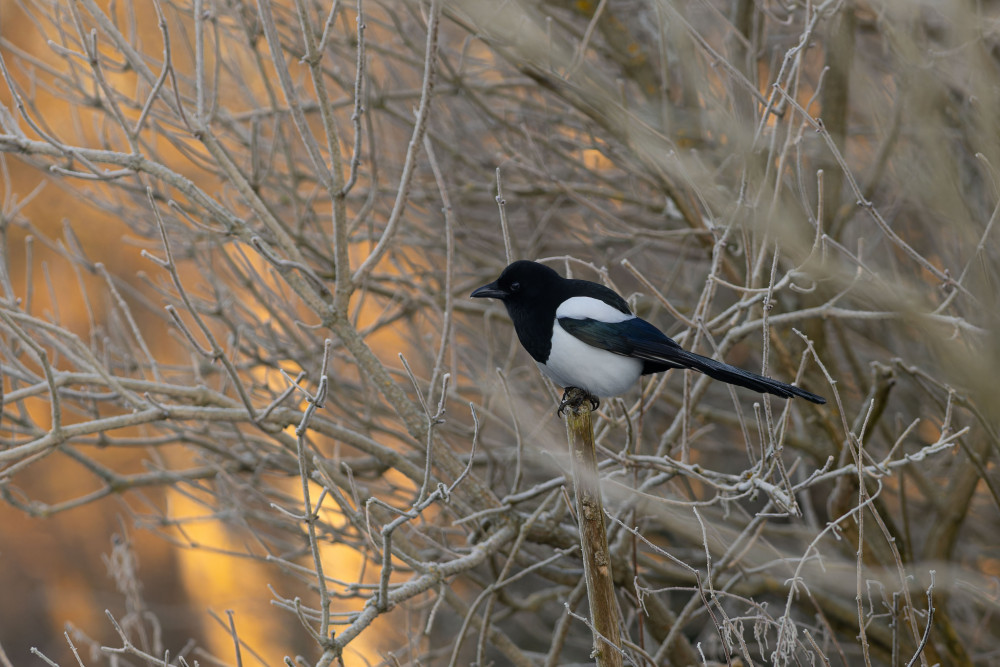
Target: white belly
[573, 363]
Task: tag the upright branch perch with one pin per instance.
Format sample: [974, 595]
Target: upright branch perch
[593, 536]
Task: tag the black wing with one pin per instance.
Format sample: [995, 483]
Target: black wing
[640, 339]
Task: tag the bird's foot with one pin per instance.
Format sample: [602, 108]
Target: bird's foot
[574, 397]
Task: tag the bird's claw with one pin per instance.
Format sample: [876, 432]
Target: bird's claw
[563, 404]
[573, 396]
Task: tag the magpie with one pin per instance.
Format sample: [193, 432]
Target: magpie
[583, 334]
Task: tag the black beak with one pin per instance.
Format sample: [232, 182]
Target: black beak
[490, 291]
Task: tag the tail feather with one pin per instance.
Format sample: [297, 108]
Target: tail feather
[719, 370]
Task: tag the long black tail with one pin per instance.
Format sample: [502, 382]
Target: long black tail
[741, 378]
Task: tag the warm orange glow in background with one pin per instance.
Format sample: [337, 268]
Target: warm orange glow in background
[51, 571]
[194, 567]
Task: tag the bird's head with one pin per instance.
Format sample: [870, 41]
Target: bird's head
[520, 283]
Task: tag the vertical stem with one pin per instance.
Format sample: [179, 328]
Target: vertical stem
[199, 63]
[593, 536]
[834, 104]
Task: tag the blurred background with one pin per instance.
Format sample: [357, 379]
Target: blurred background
[236, 245]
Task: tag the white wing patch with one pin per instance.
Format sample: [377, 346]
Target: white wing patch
[588, 308]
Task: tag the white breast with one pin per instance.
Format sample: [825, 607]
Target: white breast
[573, 363]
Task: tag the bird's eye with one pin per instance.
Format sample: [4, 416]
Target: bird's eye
[514, 287]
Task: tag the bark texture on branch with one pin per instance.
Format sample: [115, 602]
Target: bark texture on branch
[593, 535]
